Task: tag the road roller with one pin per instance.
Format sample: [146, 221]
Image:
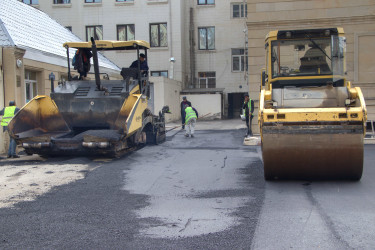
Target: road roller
[312, 120]
[92, 117]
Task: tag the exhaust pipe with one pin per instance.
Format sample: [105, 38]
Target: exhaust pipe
[96, 64]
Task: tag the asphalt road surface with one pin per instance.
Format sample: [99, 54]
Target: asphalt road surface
[206, 192]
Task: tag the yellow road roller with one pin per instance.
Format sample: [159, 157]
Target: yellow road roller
[92, 117]
[312, 121]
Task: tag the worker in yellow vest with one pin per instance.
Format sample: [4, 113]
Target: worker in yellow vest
[248, 109]
[7, 114]
[191, 116]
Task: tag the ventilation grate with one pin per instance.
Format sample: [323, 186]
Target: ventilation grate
[82, 91]
[116, 90]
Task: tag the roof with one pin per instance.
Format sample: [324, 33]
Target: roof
[111, 45]
[5, 39]
[35, 31]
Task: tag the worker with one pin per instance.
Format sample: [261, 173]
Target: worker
[81, 62]
[8, 114]
[248, 109]
[184, 104]
[191, 116]
[143, 64]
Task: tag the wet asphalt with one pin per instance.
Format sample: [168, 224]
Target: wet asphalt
[206, 192]
[98, 212]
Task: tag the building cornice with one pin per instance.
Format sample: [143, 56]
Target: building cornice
[316, 21]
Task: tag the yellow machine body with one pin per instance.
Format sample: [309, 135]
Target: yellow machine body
[91, 117]
[312, 121]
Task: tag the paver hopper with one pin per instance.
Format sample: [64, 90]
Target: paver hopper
[83, 117]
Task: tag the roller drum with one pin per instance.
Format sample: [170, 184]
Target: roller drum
[320, 152]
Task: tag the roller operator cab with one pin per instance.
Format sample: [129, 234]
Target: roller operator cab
[92, 117]
[312, 121]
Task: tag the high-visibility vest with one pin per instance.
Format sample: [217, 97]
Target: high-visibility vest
[190, 113]
[249, 106]
[8, 115]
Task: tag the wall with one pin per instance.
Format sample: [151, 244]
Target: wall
[167, 92]
[207, 105]
[109, 14]
[229, 33]
[2, 146]
[12, 83]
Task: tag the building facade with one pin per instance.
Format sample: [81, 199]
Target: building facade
[356, 17]
[201, 43]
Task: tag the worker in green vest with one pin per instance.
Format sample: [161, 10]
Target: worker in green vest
[191, 116]
[7, 114]
[247, 111]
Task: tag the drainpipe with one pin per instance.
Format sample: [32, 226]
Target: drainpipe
[192, 53]
[246, 45]
[2, 60]
[171, 58]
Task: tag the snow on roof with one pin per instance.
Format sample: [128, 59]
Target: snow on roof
[30, 28]
[5, 39]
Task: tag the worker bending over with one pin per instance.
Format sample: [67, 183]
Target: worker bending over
[191, 116]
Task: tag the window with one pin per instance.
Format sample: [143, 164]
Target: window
[156, 1]
[30, 85]
[93, 1]
[206, 2]
[31, 1]
[207, 80]
[68, 28]
[160, 73]
[121, 1]
[61, 1]
[206, 38]
[94, 31]
[158, 35]
[125, 32]
[238, 10]
[239, 60]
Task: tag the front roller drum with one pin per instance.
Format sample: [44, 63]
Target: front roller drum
[313, 156]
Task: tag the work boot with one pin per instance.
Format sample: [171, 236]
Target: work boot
[186, 135]
[15, 156]
[192, 136]
[9, 156]
[183, 127]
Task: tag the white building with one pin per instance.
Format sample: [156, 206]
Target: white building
[198, 42]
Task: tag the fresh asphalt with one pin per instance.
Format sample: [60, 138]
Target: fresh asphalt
[206, 192]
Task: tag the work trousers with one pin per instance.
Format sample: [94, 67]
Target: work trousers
[190, 125]
[249, 120]
[182, 119]
[12, 144]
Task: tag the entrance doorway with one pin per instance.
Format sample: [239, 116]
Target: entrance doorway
[235, 103]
